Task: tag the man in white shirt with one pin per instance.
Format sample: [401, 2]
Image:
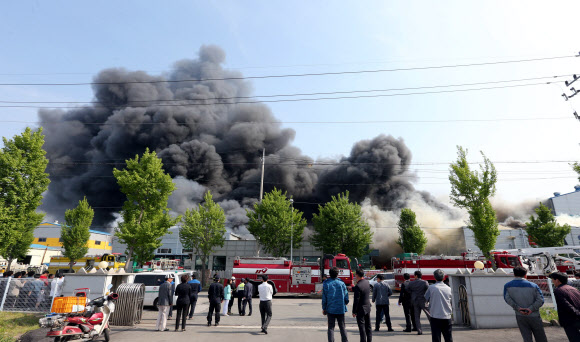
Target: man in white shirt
[439, 297]
[56, 285]
[265, 291]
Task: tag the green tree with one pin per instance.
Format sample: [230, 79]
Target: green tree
[544, 230]
[203, 230]
[411, 237]
[145, 214]
[274, 221]
[75, 232]
[471, 190]
[22, 182]
[339, 227]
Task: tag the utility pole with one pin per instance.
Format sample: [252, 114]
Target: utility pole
[291, 229]
[262, 181]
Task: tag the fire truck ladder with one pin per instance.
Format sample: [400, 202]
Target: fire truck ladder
[464, 306]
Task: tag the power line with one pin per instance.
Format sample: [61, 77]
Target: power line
[296, 75]
[296, 94]
[298, 100]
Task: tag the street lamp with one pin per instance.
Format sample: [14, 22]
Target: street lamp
[291, 229]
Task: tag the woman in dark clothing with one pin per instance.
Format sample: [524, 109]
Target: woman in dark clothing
[183, 292]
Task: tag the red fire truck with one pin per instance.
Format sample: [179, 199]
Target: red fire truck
[289, 277]
[427, 264]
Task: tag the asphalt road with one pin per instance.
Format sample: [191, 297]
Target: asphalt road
[294, 319]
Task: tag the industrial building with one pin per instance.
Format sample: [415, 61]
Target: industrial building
[566, 204]
[48, 234]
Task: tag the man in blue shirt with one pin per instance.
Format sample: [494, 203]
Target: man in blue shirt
[195, 289]
[526, 299]
[334, 301]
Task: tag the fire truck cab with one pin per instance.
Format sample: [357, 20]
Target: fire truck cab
[289, 277]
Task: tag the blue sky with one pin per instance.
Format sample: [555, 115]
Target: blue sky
[70, 41]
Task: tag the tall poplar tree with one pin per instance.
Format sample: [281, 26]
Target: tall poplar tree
[411, 237]
[203, 230]
[544, 230]
[145, 214]
[23, 180]
[471, 190]
[75, 233]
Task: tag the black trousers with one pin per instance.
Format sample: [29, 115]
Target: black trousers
[417, 309]
[440, 326]
[364, 327]
[240, 301]
[181, 312]
[192, 304]
[332, 318]
[573, 331]
[249, 302]
[265, 313]
[214, 308]
[230, 304]
[382, 310]
[409, 316]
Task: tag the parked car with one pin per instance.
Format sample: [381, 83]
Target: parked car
[389, 278]
[152, 280]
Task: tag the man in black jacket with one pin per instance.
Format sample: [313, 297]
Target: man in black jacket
[405, 300]
[362, 306]
[568, 300]
[417, 289]
[195, 290]
[248, 294]
[215, 293]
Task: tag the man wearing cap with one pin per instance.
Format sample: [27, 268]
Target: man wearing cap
[215, 293]
[266, 292]
[234, 294]
[240, 295]
[164, 301]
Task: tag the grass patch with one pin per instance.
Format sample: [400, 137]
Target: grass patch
[14, 324]
[548, 313]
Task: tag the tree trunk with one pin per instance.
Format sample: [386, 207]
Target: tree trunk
[70, 266]
[9, 264]
[204, 271]
[129, 263]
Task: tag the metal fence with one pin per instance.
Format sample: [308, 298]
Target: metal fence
[25, 294]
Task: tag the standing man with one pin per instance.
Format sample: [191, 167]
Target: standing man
[381, 293]
[568, 302]
[334, 302]
[526, 299]
[248, 293]
[234, 294]
[362, 306]
[417, 289]
[164, 301]
[215, 293]
[439, 297]
[240, 295]
[405, 300]
[195, 289]
[265, 291]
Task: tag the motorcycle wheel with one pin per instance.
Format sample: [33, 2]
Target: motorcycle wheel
[106, 334]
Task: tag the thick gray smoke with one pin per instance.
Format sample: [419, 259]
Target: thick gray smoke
[207, 141]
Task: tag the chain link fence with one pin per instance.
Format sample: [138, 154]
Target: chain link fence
[25, 294]
[547, 287]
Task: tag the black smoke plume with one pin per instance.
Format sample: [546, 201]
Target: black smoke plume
[204, 135]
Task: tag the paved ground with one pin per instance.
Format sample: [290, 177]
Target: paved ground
[294, 319]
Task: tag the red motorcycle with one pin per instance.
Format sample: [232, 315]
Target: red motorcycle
[88, 326]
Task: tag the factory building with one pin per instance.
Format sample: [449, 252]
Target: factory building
[566, 204]
[48, 234]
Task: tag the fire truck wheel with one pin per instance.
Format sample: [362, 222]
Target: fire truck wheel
[106, 333]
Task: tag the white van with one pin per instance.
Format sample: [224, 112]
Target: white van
[152, 281]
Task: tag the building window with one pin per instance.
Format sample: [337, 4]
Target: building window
[59, 239]
[187, 250]
[219, 263]
[41, 239]
[97, 242]
[198, 263]
[164, 250]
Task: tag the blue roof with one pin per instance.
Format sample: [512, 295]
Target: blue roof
[90, 230]
[34, 245]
